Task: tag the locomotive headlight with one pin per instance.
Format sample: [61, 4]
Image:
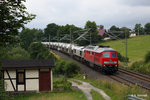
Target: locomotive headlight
[106, 62]
[115, 62]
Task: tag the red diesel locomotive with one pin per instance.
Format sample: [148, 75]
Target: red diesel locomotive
[101, 57]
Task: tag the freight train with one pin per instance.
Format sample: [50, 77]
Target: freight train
[102, 58]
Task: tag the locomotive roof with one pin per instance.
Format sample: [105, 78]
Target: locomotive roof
[98, 49]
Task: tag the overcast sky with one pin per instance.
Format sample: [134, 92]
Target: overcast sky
[103, 12]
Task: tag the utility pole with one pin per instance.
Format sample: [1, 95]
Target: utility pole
[71, 43]
[49, 41]
[126, 64]
[138, 29]
[90, 38]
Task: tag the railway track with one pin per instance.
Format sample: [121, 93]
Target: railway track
[127, 77]
[131, 78]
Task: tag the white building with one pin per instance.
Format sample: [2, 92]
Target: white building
[27, 75]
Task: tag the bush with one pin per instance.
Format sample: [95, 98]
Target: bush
[140, 66]
[67, 68]
[71, 69]
[147, 57]
[122, 58]
[62, 84]
[59, 69]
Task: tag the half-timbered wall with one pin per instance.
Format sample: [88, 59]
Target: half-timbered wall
[32, 80]
[31, 77]
[8, 84]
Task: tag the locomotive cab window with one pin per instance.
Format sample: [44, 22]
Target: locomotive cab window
[106, 55]
[113, 54]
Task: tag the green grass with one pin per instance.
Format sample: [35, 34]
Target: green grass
[96, 95]
[64, 93]
[68, 95]
[116, 91]
[137, 47]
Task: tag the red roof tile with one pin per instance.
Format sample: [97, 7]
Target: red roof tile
[101, 32]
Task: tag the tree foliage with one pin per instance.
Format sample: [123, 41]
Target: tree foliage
[93, 36]
[126, 32]
[27, 36]
[69, 31]
[100, 26]
[39, 51]
[67, 68]
[117, 32]
[147, 57]
[147, 28]
[51, 31]
[13, 16]
[18, 53]
[71, 69]
[139, 29]
[114, 28]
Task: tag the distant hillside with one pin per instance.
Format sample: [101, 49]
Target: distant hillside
[137, 47]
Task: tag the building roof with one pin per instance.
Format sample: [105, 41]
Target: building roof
[101, 32]
[27, 63]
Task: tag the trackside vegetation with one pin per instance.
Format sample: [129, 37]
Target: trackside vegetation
[116, 91]
[66, 68]
[96, 95]
[142, 66]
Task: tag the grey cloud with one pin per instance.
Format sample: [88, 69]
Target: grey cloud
[135, 2]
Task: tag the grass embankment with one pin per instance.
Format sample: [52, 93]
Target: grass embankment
[115, 90]
[137, 47]
[62, 91]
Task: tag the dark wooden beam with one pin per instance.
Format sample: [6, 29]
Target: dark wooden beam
[10, 80]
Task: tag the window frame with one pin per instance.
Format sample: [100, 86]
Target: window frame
[112, 53]
[18, 76]
[107, 53]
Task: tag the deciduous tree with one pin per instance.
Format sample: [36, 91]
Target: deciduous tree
[139, 29]
[147, 28]
[13, 16]
[50, 31]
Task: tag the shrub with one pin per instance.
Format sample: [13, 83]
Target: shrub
[67, 68]
[140, 67]
[62, 84]
[71, 68]
[147, 57]
[122, 58]
[59, 69]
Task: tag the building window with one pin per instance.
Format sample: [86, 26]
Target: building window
[20, 78]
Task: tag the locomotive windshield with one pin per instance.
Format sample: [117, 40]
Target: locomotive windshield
[113, 54]
[106, 55]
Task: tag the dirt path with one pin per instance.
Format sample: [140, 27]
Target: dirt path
[86, 88]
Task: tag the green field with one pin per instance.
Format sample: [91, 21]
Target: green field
[68, 95]
[136, 49]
